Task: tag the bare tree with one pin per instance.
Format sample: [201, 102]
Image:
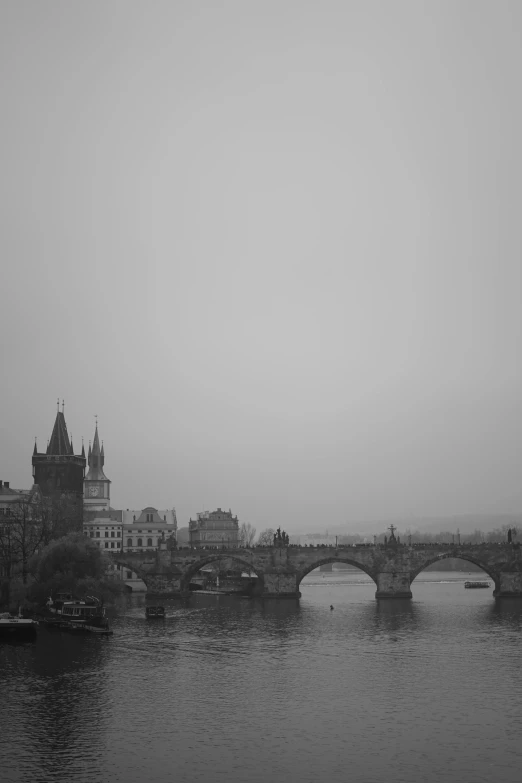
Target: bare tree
[266, 538]
[246, 535]
[21, 536]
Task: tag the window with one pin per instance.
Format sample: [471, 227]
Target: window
[129, 542]
[118, 544]
[106, 545]
[112, 533]
[97, 534]
[129, 574]
[92, 534]
[140, 542]
[149, 541]
[106, 534]
[112, 544]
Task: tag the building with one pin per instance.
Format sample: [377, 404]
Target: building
[10, 496]
[96, 485]
[145, 529]
[101, 522]
[59, 471]
[120, 530]
[213, 529]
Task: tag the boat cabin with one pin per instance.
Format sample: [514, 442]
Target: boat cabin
[79, 611]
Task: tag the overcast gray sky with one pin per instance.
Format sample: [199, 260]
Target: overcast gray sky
[275, 246]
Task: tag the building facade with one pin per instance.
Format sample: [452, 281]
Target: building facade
[213, 529]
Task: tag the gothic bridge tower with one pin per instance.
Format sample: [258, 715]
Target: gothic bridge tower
[59, 471]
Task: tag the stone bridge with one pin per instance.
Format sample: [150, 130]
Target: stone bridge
[393, 568]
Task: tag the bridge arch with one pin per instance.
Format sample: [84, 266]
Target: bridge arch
[325, 560]
[140, 572]
[461, 556]
[193, 569]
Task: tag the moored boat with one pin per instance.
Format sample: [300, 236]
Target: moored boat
[70, 614]
[469, 585]
[10, 625]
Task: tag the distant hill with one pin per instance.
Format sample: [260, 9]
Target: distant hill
[466, 523]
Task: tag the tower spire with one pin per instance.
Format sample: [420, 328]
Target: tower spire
[59, 443]
[96, 458]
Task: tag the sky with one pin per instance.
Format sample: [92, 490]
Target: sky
[274, 246]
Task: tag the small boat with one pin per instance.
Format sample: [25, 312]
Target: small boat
[10, 625]
[154, 611]
[469, 585]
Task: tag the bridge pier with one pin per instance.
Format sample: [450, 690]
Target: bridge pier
[393, 584]
[509, 585]
[277, 584]
[165, 582]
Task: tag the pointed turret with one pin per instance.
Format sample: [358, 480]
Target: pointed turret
[95, 460]
[83, 450]
[102, 456]
[35, 450]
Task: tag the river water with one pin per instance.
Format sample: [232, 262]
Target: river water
[227, 689]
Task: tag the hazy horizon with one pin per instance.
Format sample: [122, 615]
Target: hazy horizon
[275, 246]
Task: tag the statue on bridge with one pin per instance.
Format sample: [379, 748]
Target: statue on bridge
[392, 540]
[281, 538]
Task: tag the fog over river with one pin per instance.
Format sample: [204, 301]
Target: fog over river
[227, 689]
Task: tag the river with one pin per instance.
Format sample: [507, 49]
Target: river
[227, 689]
